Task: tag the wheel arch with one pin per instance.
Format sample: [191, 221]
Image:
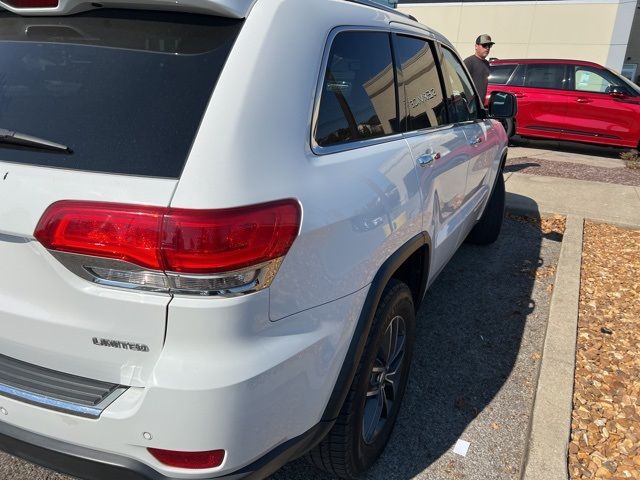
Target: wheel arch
[409, 264]
[503, 160]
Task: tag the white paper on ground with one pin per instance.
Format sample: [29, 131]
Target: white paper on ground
[461, 448]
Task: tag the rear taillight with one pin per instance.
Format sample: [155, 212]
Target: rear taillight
[191, 460]
[223, 240]
[163, 248]
[32, 3]
[108, 230]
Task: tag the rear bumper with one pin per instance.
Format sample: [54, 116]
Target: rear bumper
[227, 378]
[91, 464]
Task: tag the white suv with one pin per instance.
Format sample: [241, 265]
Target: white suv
[217, 219]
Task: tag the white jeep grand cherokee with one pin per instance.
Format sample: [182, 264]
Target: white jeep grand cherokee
[217, 220]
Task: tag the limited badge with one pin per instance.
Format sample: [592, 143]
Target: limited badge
[107, 342]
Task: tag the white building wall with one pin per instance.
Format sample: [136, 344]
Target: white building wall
[594, 30]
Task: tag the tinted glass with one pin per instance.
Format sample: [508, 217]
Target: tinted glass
[499, 74]
[517, 79]
[425, 102]
[463, 103]
[545, 76]
[358, 99]
[125, 90]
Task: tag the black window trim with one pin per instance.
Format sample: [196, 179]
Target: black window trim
[435, 50]
[356, 144]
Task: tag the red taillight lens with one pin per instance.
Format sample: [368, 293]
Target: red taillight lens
[32, 3]
[172, 458]
[124, 232]
[224, 240]
[176, 240]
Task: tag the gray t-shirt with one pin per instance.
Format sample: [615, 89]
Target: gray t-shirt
[479, 70]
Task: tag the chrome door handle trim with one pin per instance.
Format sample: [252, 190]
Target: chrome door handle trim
[427, 159]
[476, 141]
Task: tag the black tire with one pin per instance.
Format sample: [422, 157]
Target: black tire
[488, 228]
[509, 125]
[355, 442]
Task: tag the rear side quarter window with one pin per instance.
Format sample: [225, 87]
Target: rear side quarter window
[358, 90]
[500, 74]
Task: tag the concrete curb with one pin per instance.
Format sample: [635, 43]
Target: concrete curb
[546, 457]
[598, 201]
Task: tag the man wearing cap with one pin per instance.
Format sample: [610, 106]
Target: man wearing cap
[478, 65]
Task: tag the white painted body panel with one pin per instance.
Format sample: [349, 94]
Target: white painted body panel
[227, 378]
[337, 192]
[442, 184]
[26, 191]
[242, 374]
[50, 315]
[356, 210]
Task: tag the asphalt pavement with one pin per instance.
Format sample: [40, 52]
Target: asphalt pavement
[475, 368]
[480, 335]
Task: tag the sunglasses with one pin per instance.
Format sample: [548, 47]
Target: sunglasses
[486, 45]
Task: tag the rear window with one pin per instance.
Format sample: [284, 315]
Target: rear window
[124, 90]
[500, 74]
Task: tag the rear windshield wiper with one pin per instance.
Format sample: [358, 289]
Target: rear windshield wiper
[15, 138]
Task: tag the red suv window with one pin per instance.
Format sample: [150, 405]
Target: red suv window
[545, 76]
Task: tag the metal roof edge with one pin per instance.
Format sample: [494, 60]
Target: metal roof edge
[379, 6]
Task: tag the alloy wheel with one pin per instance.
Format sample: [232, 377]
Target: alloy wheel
[384, 379]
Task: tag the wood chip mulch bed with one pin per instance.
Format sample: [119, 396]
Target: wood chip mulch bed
[605, 427]
[578, 171]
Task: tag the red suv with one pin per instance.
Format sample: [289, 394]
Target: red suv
[570, 100]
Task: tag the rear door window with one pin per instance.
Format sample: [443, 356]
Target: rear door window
[358, 97]
[545, 76]
[424, 98]
[125, 90]
[500, 74]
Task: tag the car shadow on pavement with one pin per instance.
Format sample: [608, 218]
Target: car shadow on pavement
[568, 147]
[520, 166]
[470, 331]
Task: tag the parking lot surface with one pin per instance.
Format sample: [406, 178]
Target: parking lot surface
[480, 335]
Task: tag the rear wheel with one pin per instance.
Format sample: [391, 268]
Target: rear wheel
[370, 410]
[488, 228]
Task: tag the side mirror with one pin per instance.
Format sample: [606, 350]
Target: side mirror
[617, 92]
[502, 105]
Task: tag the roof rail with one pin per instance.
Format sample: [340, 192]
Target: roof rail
[371, 3]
